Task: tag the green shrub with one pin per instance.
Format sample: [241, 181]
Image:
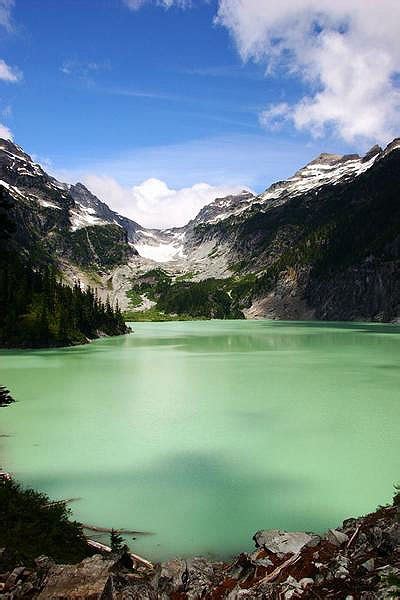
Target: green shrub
[31, 525]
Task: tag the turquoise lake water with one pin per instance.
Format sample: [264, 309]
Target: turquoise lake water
[204, 432]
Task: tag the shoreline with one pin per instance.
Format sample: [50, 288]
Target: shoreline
[358, 560]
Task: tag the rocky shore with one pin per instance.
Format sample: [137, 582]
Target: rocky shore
[358, 561]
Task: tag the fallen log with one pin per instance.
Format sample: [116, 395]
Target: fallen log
[103, 548]
[58, 502]
[274, 574]
[119, 531]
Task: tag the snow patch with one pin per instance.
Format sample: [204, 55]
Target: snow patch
[165, 247]
[11, 188]
[47, 204]
[161, 252]
[83, 218]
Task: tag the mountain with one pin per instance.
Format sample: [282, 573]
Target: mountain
[323, 244]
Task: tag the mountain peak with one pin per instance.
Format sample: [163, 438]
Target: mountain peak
[13, 149]
[372, 152]
[394, 145]
[326, 158]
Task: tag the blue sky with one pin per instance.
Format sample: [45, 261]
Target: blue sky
[115, 92]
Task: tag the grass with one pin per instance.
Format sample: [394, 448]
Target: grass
[152, 314]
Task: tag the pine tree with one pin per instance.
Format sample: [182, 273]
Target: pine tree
[117, 543]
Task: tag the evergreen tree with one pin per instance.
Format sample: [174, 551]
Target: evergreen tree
[117, 543]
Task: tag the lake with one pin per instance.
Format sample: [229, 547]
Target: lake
[204, 432]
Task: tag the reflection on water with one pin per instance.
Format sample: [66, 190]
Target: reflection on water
[204, 432]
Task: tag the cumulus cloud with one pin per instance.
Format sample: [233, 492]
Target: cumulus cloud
[346, 52]
[136, 4]
[153, 203]
[273, 117]
[8, 73]
[5, 132]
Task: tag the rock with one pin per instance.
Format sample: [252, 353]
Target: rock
[376, 536]
[342, 561]
[192, 576]
[44, 562]
[292, 587]
[369, 565]
[84, 580]
[394, 534]
[283, 542]
[14, 576]
[336, 537]
[259, 559]
[121, 587]
[350, 524]
[341, 573]
[305, 582]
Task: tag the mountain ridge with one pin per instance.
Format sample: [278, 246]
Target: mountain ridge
[269, 245]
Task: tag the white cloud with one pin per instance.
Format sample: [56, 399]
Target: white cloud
[83, 69]
[137, 4]
[274, 115]
[5, 13]
[346, 52]
[5, 132]
[8, 73]
[153, 203]
[241, 160]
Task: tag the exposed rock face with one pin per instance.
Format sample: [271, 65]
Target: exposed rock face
[52, 224]
[361, 560]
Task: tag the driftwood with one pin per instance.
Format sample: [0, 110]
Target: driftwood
[58, 502]
[110, 530]
[353, 537]
[107, 549]
[274, 574]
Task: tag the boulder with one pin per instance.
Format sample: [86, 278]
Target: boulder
[336, 537]
[284, 542]
[85, 580]
[192, 576]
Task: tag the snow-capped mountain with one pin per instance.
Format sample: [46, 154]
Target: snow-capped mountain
[23, 178]
[335, 206]
[326, 169]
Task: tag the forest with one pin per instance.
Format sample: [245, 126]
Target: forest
[37, 309]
